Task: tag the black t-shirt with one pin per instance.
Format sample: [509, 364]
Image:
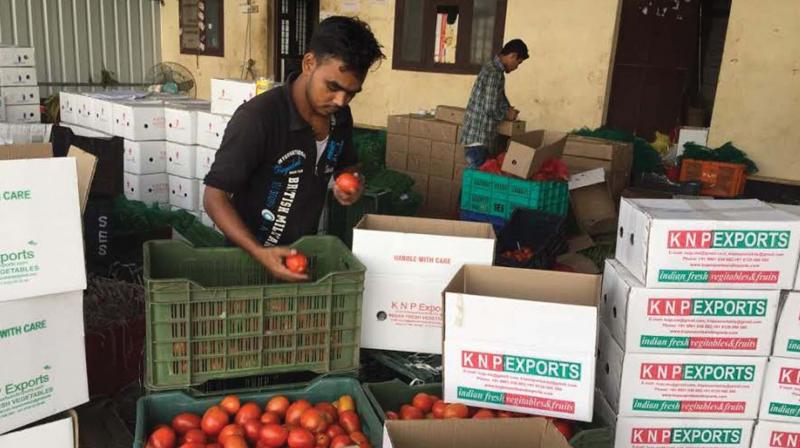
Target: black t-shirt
[268, 162]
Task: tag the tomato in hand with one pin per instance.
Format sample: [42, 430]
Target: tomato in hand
[297, 263]
[348, 183]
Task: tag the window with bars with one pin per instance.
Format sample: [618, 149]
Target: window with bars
[201, 27]
[447, 36]
[295, 22]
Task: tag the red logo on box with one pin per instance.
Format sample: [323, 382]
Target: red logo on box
[664, 372]
[482, 361]
[660, 436]
[789, 376]
[669, 307]
[686, 239]
[780, 439]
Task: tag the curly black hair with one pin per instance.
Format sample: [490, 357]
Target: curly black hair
[349, 40]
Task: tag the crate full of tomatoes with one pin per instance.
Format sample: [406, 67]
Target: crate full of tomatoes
[331, 412]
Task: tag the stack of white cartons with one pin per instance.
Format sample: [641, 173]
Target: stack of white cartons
[182, 153]
[689, 309]
[19, 92]
[141, 124]
[42, 277]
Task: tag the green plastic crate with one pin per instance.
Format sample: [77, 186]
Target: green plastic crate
[496, 195]
[342, 219]
[161, 408]
[215, 313]
[391, 395]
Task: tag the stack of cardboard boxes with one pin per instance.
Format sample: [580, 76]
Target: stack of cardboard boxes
[19, 92]
[688, 309]
[42, 278]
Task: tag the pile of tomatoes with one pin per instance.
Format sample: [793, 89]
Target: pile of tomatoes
[281, 423]
[522, 255]
[426, 406]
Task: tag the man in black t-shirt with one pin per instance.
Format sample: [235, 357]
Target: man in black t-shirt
[268, 184]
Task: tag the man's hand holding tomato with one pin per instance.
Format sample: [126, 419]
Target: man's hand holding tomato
[348, 188]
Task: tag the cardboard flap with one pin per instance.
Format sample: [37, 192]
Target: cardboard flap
[442, 227]
[591, 147]
[87, 164]
[496, 433]
[26, 151]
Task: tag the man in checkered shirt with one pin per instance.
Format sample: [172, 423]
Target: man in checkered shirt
[488, 104]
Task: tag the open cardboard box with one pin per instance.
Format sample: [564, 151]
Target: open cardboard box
[521, 340]
[59, 431]
[592, 202]
[527, 152]
[496, 433]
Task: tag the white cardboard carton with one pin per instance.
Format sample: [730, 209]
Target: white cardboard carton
[17, 76]
[85, 132]
[770, 434]
[201, 192]
[409, 262]
[795, 210]
[210, 129]
[687, 321]
[506, 343]
[787, 335]
[23, 113]
[690, 134]
[228, 94]
[67, 102]
[84, 109]
[139, 120]
[41, 249]
[181, 159]
[59, 431]
[147, 188]
[183, 193]
[708, 244]
[11, 56]
[471, 433]
[44, 371]
[145, 157]
[101, 113]
[207, 221]
[640, 432]
[181, 120]
[205, 158]
[696, 386]
[780, 399]
[20, 95]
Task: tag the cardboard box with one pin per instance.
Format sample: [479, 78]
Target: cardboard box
[776, 435]
[68, 101]
[139, 120]
[794, 210]
[45, 362]
[24, 113]
[201, 193]
[787, 335]
[709, 244]
[17, 76]
[145, 157]
[181, 159]
[147, 188]
[432, 129]
[210, 129]
[696, 135]
[660, 385]
[632, 432]
[506, 343]
[441, 168]
[439, 195]
[59, 431]
[181, 120]
[419, 155]
[455, 115]
[445, 151]
[205, 158]
[780, 399]
[409, 262]
[458, 170]
[396, 160]
[587, 153]
[41, 251]
[527, 152]
[686, 321]
[101, 112]
[592, 202]
[228, 94]
[81, 131]
[497, 433]
[183, 192]
[511, 128]
[20, 95]
[12, 56]
[398, 124]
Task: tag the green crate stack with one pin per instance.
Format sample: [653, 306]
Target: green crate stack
[161, 408]
[497, 195]
[391, 395]
[215, 313]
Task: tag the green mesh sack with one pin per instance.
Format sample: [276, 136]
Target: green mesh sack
[727, 153]
[370, 146]
[138, 217]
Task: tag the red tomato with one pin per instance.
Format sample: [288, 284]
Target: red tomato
[185, 421]
[230, 404]
[435, 398]
[391, 415]
[231, 430]
[278, 405]
[422, 402]
[194, 436]
[348, 183]
[297, 263]
[349, 421]
[456, 410]
[328, 410]
[335, 430]
[313, 420]
[252, 430]
[270, 417]
[408, 412]
[235, 442]
[359, 437]
[342, 441]
[483, 414]
[248, 411]
[295, 411]
[438, 409]
[504, 414]
[323, 440]
[273, 435]
[214, 420]
[192, 445]
[301, 438]
[163, 437]
[564, 427]
[214, 445]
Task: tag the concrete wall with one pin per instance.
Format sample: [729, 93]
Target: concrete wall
[563, 86]
[758, 95]
[230, 66]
